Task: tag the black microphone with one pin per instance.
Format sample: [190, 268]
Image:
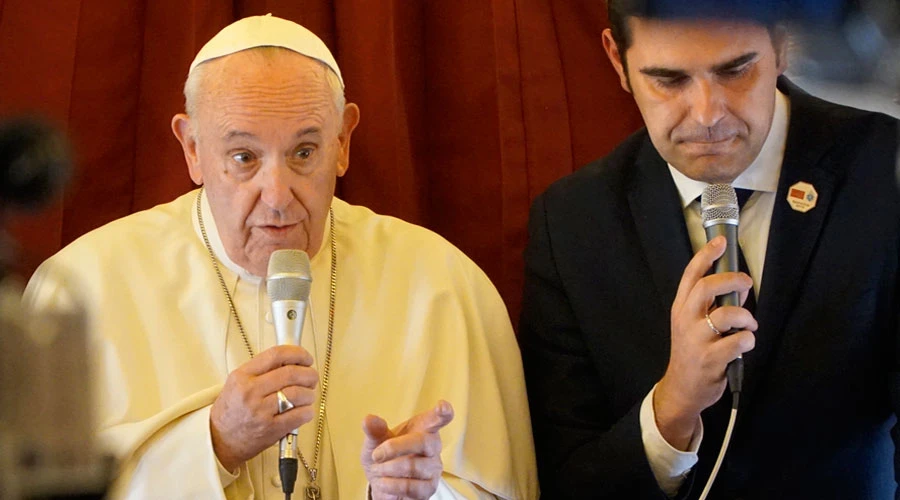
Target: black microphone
[288, 283]
[35, 162]
[721, 215]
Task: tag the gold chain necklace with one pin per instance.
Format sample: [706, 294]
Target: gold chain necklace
[312, 491]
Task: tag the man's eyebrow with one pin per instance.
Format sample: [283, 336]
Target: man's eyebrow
[308, 130]
[232, 134]
[661, 72]
[736, 62]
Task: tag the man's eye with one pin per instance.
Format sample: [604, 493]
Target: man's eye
[673, 81]
[303, 153]
[242, 157]
[735, 72]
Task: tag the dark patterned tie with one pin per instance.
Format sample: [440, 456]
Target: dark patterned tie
[743, 195]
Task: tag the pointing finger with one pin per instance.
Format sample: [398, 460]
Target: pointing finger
[433, 420]
[417, 443]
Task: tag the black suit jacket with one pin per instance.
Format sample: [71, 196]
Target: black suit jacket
[607, 247]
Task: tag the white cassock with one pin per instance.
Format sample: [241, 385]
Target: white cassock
[416, 321]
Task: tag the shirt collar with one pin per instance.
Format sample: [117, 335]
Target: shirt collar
[762, 174]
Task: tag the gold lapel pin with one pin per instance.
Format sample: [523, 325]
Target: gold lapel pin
[802, 196]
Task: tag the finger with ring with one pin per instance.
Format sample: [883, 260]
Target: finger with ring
[284, 404]
[711, 326]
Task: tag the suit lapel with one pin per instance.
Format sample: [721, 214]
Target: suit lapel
[659, 220]
[793, 235]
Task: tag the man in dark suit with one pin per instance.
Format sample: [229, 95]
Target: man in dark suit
[624, 363]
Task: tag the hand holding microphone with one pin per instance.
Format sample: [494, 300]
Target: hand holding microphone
[247, 416]
[695, 378]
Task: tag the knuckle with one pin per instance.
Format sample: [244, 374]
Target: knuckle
[270, 355]
[428, 488]
[433, 468]
[304, 414]
[748, 341]
[412, 468]
[299, 396]
[313, 377]
[307, 396]
[389, 448]
[438, 448]
[432, 446]
[423, 443]
[304, 376]
[282, 350]
[378, 485]
[237, 381]
[706, 286]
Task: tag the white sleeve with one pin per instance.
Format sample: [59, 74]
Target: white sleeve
[179, 462]
[452, 488]
[669, 465]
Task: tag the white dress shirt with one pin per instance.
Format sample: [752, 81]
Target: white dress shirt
[670, 466]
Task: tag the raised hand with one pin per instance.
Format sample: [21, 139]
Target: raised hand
[405, 462]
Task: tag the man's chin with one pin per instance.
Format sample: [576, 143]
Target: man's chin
[711, 168]
[259, 257]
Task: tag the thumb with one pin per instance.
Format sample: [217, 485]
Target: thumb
[377, 432]
[432, 420]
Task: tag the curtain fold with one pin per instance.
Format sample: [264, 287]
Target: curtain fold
[469, 108]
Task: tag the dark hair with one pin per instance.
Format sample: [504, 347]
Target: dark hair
[618, 12]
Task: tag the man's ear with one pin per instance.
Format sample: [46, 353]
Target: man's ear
[615, 57]
[186, 134]
[351, 120]
[780, 42]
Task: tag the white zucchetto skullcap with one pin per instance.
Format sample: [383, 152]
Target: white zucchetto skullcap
[266, 31]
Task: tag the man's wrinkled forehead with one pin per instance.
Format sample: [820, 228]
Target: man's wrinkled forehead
[266, 31]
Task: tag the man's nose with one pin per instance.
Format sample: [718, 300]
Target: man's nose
[275, 190]
[707, 103]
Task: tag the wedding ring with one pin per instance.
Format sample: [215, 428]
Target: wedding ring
[709, 323]
[284, 404]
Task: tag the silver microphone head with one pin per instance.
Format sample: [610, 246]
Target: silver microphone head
[719, 205]
[289, 276]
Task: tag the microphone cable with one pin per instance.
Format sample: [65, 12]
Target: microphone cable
[735, 373]
[287, 469]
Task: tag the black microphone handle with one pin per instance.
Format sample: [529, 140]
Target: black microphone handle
[728, 262]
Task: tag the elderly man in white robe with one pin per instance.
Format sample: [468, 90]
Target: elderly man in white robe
[400, 323]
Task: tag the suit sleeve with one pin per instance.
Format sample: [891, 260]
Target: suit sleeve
[895, 373]
[895, 390]
[583, 450]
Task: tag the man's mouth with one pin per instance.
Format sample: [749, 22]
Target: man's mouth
[277, 230]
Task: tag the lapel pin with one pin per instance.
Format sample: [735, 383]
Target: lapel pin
[802, 196]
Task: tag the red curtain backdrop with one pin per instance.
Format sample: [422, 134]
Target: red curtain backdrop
[470, 108]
